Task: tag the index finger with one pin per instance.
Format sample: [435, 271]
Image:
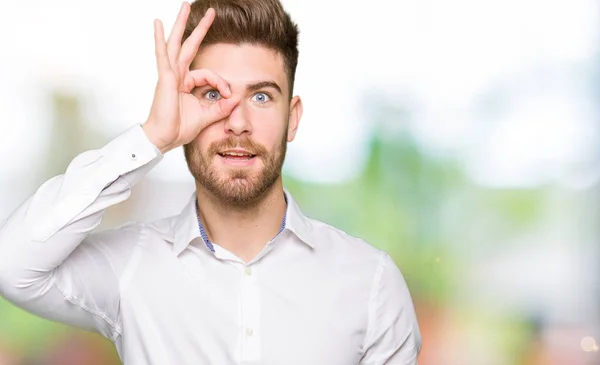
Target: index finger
[191, 45]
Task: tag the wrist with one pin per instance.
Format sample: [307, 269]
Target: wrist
[154, 139]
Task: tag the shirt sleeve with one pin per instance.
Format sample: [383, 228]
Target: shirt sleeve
[49, 263]
[393, 336]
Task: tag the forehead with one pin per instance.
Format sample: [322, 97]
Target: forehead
[243, 64]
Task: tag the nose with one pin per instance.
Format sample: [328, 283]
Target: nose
[238, 122]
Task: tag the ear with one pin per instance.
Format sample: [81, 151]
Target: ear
[294, 117]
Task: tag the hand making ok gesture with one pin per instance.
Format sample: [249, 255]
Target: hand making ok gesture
[176, 116]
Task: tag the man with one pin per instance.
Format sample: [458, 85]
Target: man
[241, 276]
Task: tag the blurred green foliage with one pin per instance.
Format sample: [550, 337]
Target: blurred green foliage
[419, 207]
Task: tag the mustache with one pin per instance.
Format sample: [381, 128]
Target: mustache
[232, 142]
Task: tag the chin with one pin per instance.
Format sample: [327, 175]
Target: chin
[236, 186]
[240, 192]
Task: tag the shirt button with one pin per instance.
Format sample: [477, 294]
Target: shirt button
[248, 271]
[133, 156]
[249, 332]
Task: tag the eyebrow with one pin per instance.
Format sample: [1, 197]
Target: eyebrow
[262, 85]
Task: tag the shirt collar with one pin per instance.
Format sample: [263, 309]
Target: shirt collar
[187, 226]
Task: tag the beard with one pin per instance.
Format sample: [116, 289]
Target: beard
[237, 187]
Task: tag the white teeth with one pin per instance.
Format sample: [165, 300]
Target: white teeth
[236, 154]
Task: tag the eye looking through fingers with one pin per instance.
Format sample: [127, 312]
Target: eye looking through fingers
[212, 95]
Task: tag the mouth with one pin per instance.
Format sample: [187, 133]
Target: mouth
[237, 155]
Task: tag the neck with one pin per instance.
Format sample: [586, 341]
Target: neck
[243, 231]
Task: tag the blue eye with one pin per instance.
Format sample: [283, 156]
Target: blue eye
[261, 98]
[213, 95]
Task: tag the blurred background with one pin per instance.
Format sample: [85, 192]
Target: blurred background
[461, 136]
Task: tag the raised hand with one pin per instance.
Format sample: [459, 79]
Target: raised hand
[176, 116]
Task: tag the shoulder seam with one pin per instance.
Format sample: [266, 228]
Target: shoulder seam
[338, 230]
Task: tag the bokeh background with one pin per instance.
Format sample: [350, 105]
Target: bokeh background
[460, 136]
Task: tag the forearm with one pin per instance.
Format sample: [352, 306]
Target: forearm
[48, 227]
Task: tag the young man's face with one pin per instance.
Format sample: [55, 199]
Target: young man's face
[240, 157]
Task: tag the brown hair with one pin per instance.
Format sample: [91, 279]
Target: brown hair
[257, 22]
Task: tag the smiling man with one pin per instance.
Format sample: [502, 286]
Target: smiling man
[240, 276]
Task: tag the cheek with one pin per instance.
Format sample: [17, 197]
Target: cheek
[268, 114]
[269, 136]
[269, 124]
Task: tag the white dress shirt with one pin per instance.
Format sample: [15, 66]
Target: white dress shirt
[313, 296]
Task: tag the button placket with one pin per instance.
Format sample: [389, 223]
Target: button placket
[250, 315]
